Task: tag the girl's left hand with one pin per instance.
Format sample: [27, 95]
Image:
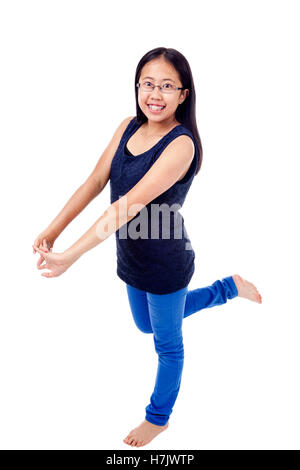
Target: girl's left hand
[58, 263]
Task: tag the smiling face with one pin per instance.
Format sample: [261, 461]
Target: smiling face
[157, 71]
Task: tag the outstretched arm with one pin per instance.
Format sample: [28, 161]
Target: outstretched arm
[91, 188]
[172, 163]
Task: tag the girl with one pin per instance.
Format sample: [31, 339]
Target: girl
[151, 162]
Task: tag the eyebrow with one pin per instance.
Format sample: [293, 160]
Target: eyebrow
[163, 79]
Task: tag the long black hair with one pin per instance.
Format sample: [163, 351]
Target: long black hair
[186, 111]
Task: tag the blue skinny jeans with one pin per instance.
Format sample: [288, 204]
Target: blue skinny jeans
[162, 315]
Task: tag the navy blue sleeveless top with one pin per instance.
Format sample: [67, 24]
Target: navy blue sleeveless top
[160, 264]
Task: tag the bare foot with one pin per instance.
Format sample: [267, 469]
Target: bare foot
[143, 434]
[246, 289]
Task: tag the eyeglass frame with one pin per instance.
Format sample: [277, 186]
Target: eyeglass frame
[138, 85]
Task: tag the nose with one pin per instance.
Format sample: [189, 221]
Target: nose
[156, 92]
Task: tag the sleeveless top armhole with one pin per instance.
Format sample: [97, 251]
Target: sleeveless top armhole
[193, 166]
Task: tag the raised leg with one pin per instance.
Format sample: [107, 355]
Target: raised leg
[206, 297]
[196, 299]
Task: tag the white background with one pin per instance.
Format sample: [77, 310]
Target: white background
[75, 371]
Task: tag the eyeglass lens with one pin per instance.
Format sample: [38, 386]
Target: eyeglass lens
[164, 88]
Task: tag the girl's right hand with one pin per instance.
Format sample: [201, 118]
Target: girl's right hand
[44, 242]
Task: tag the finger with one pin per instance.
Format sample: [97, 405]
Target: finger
[40, 261]
[42, 253]
[43, 266]
[45, 244]
[48, 274]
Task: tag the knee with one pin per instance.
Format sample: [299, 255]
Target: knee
[144, 328]
[172, 349]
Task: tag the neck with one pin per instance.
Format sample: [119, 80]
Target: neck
[153, 128]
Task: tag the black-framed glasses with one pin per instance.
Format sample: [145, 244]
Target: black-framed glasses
[165, 88]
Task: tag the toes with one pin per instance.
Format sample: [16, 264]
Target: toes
[128, 439]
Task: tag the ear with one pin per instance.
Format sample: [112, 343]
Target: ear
[186, 93]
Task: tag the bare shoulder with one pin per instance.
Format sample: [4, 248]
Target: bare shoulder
[101, 172]
[184, 142]
[122, 126]
[178, 154]
[119, 131]
[182, 148]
